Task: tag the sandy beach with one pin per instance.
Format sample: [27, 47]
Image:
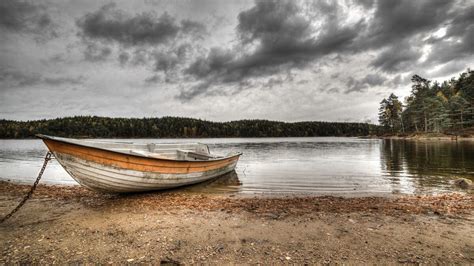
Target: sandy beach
[74, 225]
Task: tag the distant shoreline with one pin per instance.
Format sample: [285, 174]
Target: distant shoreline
[386, 136]
[177, 127]
[425, 136]
[91, 137]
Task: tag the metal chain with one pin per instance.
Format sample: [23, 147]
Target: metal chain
[47, 158]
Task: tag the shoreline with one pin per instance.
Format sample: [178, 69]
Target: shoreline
[75, 225]
[465, 134]
[416, 137]
[195, 189]
[409, 136]
[454, 202]
[169, 138]
[75, 189]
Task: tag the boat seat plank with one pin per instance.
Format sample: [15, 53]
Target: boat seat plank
[149, 154]
[193, 154]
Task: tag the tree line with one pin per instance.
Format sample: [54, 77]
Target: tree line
[431, 107]
[176, 127]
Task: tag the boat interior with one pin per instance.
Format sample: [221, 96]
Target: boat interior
[180, 151]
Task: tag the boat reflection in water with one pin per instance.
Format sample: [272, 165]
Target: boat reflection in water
[227, 183]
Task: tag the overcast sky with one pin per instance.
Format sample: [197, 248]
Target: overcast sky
[225, 60]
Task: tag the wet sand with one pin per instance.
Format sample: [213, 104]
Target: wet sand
[74, 225]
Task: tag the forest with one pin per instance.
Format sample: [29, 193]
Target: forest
[176, 127]
[446, 107]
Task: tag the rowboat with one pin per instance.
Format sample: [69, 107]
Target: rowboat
[120, 167]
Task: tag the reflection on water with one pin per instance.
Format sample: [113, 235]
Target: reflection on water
[325, 165]
[427, 164]
[224, 184]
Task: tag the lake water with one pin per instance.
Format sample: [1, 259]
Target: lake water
[319, 165]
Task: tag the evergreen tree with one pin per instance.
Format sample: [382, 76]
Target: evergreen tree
[431, 107]
[176, 127]
[390, 114]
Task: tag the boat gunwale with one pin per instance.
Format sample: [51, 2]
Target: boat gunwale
[65, 140]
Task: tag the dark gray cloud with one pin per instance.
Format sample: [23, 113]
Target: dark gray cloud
[397, 80]
[370, 80]
[215, 62]
[449, 50]
[274, 81]
[95, 52]
[402, 28]
[166, 62]
[396, 20]
[463, 21]
[153, 79]
[145, 39]
[13, 78]
[191, 93]
[24, 17]
[193, 27]
[277, 23]
[10, 78]
[111, 24]
[139, 57]
[354, 85]
[169, 61]
[365, 3]
[283, 38]
[452, 67]
[278, 36]
[57, 58]
[123, 58]
[301, 59]
[57, 81]
[183, 50]
[397, 57]
[458, 42]
[374, 79]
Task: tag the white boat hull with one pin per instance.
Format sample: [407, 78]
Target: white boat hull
[105, 178]
[127, 167]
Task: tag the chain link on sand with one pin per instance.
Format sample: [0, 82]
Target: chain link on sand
[47, 158]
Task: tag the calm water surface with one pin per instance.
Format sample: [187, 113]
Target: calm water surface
[321, 165]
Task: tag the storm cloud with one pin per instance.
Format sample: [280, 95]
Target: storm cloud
[13, 79]
[95, 52]
[25, 17]
[397, 57]
[395, 21]
[403, 28]
[223, 60]
[370, 80]
[18, 79]
[147, 28]
[281, 37]
[459, 39]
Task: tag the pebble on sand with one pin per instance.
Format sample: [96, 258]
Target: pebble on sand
[463, 183]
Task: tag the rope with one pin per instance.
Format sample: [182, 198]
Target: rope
[47, 158]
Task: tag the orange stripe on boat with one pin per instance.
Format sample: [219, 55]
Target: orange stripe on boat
[137, 163]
